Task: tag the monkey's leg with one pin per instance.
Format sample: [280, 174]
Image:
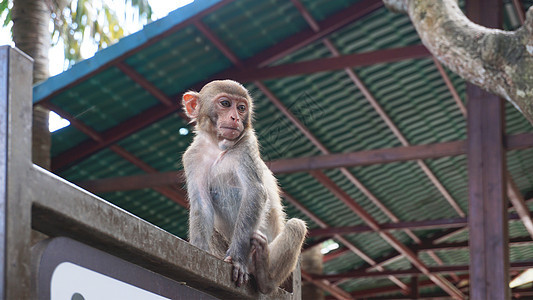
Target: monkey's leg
[275, 261]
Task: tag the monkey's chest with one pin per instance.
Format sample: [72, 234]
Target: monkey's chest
[223, 182]
[225, 187]
[226, 195]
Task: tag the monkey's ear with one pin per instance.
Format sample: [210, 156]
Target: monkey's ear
[190, 102]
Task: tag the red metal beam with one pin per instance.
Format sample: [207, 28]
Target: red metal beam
[363, 294]
[429, 224]
[326, 286]
[218, 43]
[450, 86]
[519, 204]
[150, 87]
[437, 242]
[331, 63]
[412, 271]
[518, 141]
[112, 135]
[459, 245]
[75, 122]
[368, 157]
[519, 11]
[367, 218]
[134, 182]
[305, 164]
[332, 255]
[424, 246]
[170, 193]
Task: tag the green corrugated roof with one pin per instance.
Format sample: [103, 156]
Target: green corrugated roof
[411, 92]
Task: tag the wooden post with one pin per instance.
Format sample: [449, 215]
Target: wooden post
[489, 248]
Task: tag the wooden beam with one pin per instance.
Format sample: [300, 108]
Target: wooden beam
[362, 294]
[226, 51]
[412, 271]
[145, 84]
[426, 224]
[326, 286]
[460, 245]
[305, 164]
[332, 255]
[171, 193]
[370, 221]
[519, 11]
[134, 182]
[519, 204]
[430, 224]
[112, 135]
[368, 157]
[488, 226]
[450, 86]
[331, 63]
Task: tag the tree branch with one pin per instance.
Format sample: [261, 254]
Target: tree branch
[498, 61]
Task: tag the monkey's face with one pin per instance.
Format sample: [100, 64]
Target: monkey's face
[231, 116]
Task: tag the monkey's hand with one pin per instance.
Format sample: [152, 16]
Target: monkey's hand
[240, 271]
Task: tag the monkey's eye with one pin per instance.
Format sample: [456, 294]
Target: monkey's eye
[225, 103]
[241, 108]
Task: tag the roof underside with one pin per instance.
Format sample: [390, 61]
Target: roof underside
[124, 108]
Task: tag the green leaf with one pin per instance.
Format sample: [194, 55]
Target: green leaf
[4, 6]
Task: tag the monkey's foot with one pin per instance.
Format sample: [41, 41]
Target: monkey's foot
[261, 262]
[239, 273]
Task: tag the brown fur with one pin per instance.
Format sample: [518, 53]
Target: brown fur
[236, 208]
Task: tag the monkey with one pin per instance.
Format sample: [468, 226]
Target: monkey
[235, 211]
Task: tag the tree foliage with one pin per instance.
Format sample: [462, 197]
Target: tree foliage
[76, 22]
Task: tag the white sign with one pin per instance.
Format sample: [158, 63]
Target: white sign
[73, 282]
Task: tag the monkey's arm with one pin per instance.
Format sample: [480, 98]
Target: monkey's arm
[253, 198]
[201, 215]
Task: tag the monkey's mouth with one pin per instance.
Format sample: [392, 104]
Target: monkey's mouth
[229, 133]
[230, 128]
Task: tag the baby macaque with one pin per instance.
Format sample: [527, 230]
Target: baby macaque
[235, 205]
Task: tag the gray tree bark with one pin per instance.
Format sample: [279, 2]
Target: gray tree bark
[498, 61]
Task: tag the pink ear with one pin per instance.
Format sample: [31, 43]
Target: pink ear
[190, 101]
